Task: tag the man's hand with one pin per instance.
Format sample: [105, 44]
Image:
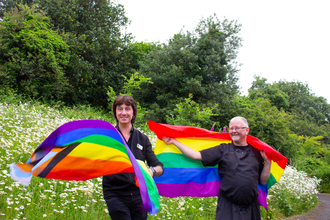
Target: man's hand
[169, 140]
[263, 155]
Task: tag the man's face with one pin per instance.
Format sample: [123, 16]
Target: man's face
[238, 131]
[124, 113]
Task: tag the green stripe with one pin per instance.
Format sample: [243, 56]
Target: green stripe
[271, 181]
[174, 160]
[103, 140]
[151, 186]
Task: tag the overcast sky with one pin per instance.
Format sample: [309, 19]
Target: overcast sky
[288, 40]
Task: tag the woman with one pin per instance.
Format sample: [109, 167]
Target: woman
[120, 192]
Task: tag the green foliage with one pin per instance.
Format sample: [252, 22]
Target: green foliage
[133, 84]
[302, 125]
[295, 193]
[136, 52]
[309, 126]
[97, 47]
[315, 167]
[96, 44]
[311, 146]
[267, 123]
[293, 97]
[201, 63]
[32, 56]
[303, 101]
[262, 89]
[191, 114]
[186, 208]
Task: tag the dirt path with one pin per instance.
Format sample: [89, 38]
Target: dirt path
[320, 212]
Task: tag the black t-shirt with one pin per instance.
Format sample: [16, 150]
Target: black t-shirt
[239, 169]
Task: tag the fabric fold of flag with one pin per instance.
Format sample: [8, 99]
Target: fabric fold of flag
[186, 177]
[86, 149]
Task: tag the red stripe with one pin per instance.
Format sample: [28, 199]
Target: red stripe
[176, 131]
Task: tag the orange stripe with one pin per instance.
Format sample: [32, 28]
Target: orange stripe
[73, 168]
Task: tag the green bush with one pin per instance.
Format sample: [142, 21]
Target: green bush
[318, 168]
[190, 113]
[295, 193]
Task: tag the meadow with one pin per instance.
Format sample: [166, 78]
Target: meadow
[24, 125]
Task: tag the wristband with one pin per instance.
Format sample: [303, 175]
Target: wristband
[153, 171]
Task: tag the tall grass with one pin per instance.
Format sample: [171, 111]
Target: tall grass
[23, 126]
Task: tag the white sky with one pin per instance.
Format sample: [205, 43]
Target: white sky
[283, 39]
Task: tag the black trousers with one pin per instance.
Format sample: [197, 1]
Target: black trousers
[126, 208]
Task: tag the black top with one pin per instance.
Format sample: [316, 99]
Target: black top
[124, 183]
[239, 169]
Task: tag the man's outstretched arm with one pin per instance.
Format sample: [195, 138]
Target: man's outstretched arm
[187, 151]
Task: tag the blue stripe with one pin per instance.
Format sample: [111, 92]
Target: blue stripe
[263, 187]
[185, 175]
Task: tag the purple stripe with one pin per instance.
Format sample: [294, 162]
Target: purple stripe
[86, 123]
[200, 190]
[50, 141]
[189, 189]
[139, 176]
[142, 184]
[262, 198]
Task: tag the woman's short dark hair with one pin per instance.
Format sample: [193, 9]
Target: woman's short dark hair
[127, 100]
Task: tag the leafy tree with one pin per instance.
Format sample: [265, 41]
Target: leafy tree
[268, 124]
[32, 56]
[311, 146]
[136, 52]
[191, 113]
[310, 113]
[97, 46]
[302, 125]
[302, 100]
[294, 97]
[201, 63]
[265, 90]
[7, 5]
[315, 167]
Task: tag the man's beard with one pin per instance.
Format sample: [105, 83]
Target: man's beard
[235, 137]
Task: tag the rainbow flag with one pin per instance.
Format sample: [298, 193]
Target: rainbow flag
[186, 177]
[85, 149]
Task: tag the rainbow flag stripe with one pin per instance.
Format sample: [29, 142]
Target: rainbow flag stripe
[85, 149]
[186, 177]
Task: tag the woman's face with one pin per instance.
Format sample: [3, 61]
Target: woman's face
[124, 113]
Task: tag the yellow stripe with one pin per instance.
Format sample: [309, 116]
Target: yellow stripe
[99, 152]
[276, 171]
[196, 143]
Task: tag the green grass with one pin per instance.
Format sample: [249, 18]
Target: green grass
[25, 125]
